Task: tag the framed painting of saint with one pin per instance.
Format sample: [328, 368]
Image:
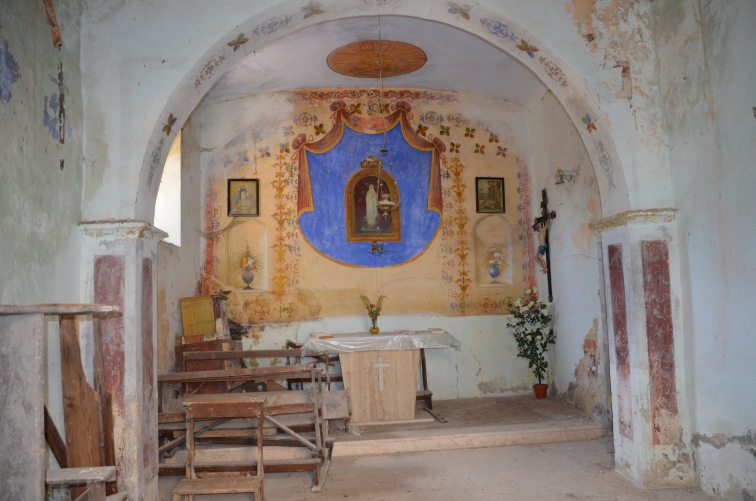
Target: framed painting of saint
[489, 194]
[243, 197]
[372, 208]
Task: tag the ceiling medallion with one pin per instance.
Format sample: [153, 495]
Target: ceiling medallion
[363, 59]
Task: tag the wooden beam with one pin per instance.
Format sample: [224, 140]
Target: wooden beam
[58, 309]
[55, 441]
[236, 354]
[260, 373]
[79, 476]
[81, 404]
[107, 442]
[53, 22]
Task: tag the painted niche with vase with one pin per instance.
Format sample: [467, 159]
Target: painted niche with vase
[246, 248]
[493, 252]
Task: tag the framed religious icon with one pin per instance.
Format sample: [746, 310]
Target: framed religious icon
[243, 197]
[489, 194]
[372, 209]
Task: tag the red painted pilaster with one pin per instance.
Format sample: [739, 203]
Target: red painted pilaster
[661, 349]
[622, 353]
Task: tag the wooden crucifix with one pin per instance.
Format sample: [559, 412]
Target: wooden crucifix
[541, 227]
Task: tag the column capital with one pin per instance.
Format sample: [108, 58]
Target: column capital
[632, 217]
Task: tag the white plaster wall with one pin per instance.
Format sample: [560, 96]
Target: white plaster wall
[130, 90]
[128, 80]
[40, 178]
[708, 73]
[575, 259]
[178, 269]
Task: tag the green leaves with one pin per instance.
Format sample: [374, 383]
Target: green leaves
[530, 322]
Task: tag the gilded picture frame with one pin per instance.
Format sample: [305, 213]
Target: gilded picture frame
[243, 197]
[366, 222]
[489, 194]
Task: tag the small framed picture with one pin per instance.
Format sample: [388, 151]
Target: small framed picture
[243, 197]
[489, 194]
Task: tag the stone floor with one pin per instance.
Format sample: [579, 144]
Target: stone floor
[513, 448]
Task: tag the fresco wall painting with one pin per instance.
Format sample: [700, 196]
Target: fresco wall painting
[448, 259]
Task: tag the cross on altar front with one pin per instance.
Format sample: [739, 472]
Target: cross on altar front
[380, 366]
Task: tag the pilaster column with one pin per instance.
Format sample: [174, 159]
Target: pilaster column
[647, 347]
[118, 267]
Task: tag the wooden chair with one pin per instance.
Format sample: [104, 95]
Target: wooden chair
[224, 408]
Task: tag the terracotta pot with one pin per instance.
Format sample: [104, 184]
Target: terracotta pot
[540, 390]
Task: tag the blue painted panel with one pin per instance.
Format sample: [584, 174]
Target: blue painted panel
[325, 228]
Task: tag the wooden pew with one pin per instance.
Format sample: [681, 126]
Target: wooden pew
[291, 356]
[296, 419]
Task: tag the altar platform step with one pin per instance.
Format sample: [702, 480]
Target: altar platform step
[472, 423]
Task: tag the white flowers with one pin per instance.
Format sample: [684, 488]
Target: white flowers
[530, 321]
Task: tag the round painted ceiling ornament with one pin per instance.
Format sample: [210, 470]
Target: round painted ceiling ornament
[363, 59]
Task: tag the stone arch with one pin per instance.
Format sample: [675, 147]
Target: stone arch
[488, 24]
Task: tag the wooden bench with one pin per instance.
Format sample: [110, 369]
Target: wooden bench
[274, 356]
[93, 477]
[295, 419]
[221, 408]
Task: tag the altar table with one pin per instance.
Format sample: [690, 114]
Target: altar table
[380, 370]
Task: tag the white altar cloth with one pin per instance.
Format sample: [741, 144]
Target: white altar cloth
[321, 343]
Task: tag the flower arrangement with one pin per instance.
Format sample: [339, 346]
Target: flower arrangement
[373, 309]
[530, 322]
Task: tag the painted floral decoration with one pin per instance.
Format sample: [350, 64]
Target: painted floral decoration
[495, 256]
[530, 322]
[248, 261]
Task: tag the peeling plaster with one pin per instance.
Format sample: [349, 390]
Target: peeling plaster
[672, 468]
[720, 440]
[9, 72]
[585, 391]
[626, 92]
[496, 386]
[727, 464]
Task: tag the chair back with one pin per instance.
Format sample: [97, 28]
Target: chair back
[217, 410]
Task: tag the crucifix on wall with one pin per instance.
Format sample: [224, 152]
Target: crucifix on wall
[541, 226]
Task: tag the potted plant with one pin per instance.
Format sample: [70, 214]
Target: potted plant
[530, 322]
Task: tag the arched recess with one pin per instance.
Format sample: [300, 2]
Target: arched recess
[487, 24]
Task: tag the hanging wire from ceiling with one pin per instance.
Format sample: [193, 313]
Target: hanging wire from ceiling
[387, 205]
